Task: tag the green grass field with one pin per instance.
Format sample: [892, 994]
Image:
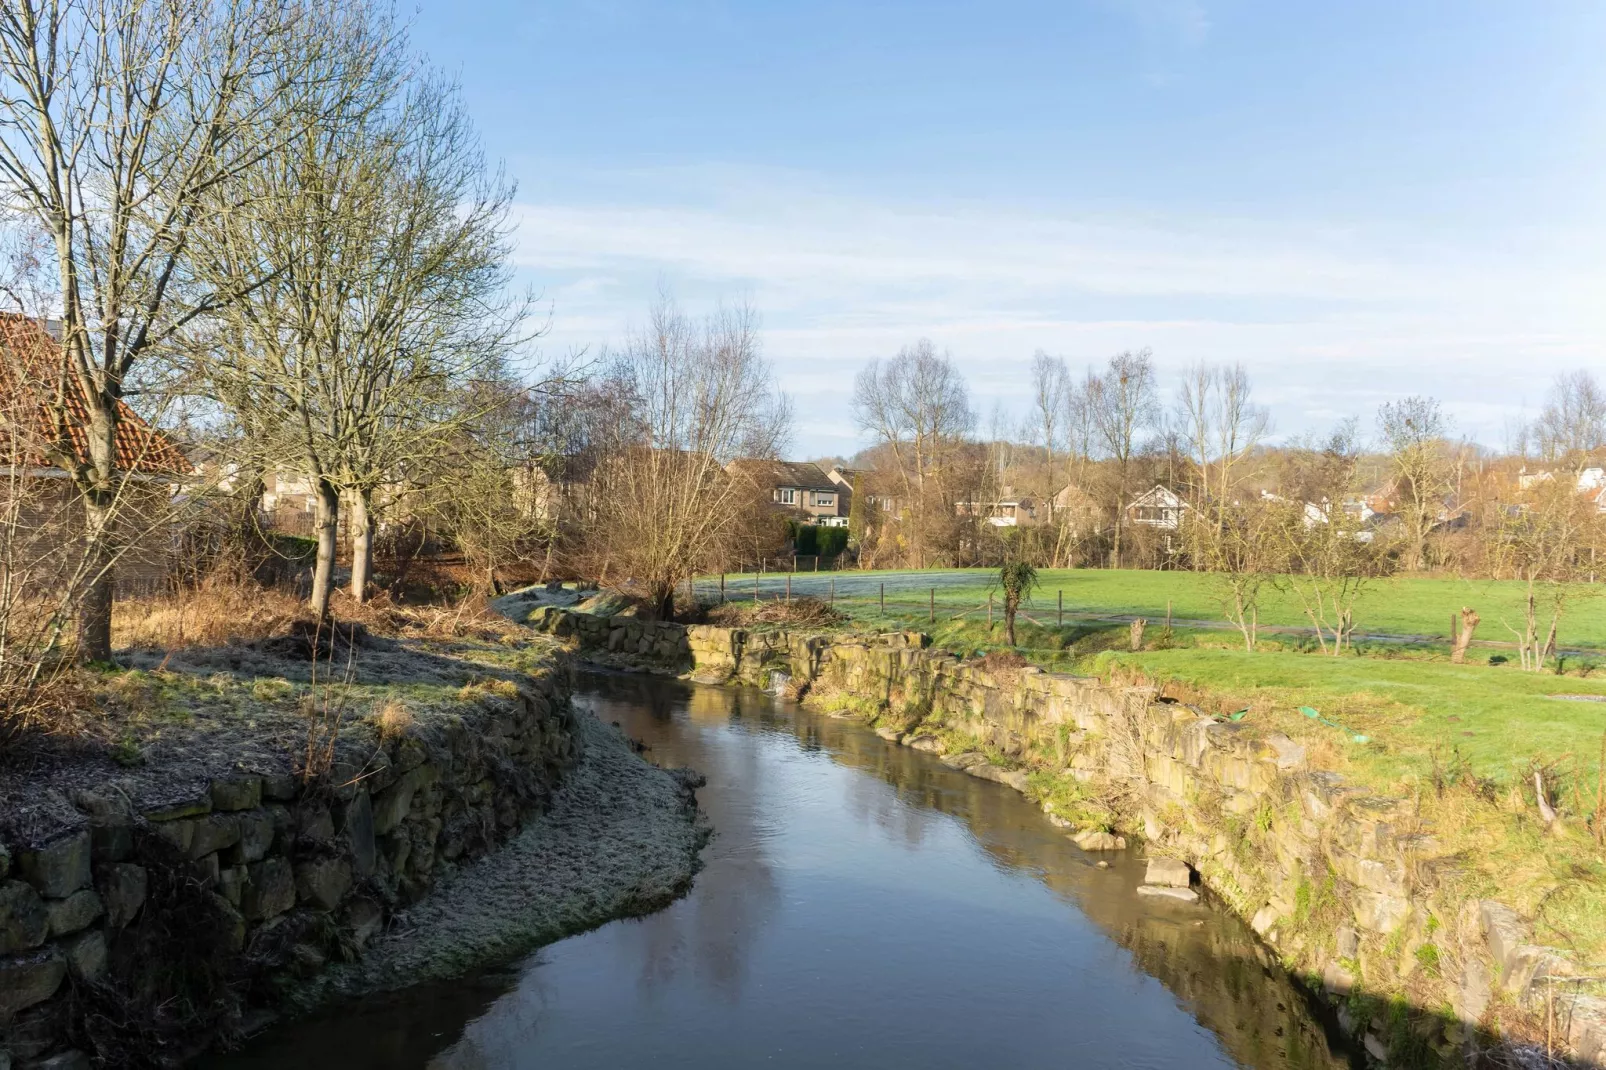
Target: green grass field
[1402, 607]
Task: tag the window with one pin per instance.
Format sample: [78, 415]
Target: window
[786, 496]
[825, 499]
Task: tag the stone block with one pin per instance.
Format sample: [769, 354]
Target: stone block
[213, 833]
[322, 882]
[1155, 891]
[392, 804]
[1379, 913]
[241, 792]
[279, 787]
[231, 924]
[1347, 941]
[1503, 933]
[86, 954]
[59, 868]
[269, 891]
[256, 836]
[122, 891]
[29, 979]
[178, 832]
[1098, 840]
[313, 824]
[111, 841]
[24, 922]
[173, 810]
[1170, 872]
[206, 869]
[73, 913]
[231, 883]
[359, 829]
[1264, 920]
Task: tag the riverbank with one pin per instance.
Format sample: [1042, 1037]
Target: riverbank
[266, 830]
[621, 838]
[1387, 906]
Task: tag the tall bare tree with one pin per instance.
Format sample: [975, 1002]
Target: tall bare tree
[1123, 404]
[1571, 429]
[667, 499]
[117, 119]
[916, 406]
[379, 241]
[1414, 431]
[1220, 426]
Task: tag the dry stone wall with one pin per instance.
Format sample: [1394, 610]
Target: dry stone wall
[136, 917]
[1343, 884]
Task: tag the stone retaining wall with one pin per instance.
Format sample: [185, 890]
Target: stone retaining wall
[152, 921]
[1344, 885]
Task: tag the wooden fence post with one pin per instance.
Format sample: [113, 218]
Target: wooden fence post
[721, 588]
[934, 605]
[883, 598]
[1062, 609]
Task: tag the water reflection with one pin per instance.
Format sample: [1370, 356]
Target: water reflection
[861, 905]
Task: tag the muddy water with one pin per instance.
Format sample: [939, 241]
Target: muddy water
[861, 906]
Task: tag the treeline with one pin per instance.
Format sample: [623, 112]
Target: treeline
[1114, 467]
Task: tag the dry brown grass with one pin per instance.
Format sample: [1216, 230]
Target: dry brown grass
[214, 613]
[799, 612]
[393, 719]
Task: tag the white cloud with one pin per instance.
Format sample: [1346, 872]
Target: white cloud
[1329, 320]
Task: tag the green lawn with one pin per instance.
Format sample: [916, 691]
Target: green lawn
[1498, 719]
[1404, 607]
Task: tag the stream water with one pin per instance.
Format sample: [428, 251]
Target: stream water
[862, 905]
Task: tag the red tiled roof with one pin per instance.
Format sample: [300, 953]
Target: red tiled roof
[30, 377]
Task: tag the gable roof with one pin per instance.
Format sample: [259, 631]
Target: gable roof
[32, 371]
[801, 474]
[1158, 497]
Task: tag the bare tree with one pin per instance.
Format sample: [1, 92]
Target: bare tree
[1331, 556]
[916, 405]
[667, 498]
[117, 118]
[1539, 538]
[1571, 428]
[1413, 433]
[1123, 404]
[379, 241]
[1220, 426]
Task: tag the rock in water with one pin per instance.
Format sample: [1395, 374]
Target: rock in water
[1186, 895]
[1170, 872]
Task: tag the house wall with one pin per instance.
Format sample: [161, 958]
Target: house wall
[44, 522]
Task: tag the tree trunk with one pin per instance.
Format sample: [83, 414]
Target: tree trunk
[95, 609]
[327, 522]
[1469, 624]
[362, 545]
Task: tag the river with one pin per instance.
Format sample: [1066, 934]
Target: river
[861, 905]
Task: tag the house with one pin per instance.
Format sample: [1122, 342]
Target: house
[44, 422]
[1158, 508]
[1009, 511]
[802, 489]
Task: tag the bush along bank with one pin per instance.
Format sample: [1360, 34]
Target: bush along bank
[1350, 889]
[147, 913]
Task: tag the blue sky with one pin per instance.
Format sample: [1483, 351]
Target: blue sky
[1356, 200]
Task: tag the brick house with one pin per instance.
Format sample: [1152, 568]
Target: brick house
[802, 489]
[42, 414]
